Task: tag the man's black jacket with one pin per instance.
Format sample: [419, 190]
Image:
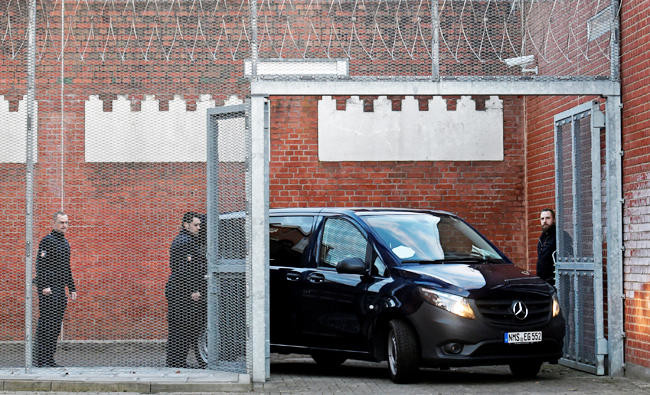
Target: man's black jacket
[188, 267]
[53, 263]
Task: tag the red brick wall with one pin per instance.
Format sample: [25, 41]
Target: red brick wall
[123, 217]
[540, 155]
[635, 76]
[487, 194]
[635, 80]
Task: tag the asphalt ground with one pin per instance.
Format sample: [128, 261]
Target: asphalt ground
[296, 374]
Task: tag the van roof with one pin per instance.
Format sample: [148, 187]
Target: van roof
[350, 210]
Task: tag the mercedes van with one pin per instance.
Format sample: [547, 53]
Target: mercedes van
[414, 288]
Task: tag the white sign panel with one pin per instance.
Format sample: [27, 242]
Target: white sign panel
[13, 132]
[410, 134]
[151, 135]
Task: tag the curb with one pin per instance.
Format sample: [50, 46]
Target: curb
[102, 384]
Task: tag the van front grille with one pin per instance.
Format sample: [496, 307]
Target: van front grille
[499, 311]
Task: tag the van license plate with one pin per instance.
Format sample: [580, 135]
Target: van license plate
[523, 337]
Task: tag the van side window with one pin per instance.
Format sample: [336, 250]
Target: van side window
[288, 238]
[341, 239]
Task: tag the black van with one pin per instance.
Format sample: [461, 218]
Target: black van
[413, 287]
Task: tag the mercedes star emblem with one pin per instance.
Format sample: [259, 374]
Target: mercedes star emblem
[519, 309]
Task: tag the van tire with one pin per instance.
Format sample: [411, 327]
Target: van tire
[327, 359]
[402, 353]
[525, 369]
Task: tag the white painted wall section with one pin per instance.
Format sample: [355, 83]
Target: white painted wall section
[410, 135]
[150, 135]
[13, 133]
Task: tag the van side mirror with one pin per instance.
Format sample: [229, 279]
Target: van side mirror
[351, 266]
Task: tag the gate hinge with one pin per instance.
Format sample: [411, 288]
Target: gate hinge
[622, 153]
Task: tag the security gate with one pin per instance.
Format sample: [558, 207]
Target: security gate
[579, 257]
[228, 235]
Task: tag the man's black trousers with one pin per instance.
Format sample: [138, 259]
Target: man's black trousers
[51, 309]
[186, 322]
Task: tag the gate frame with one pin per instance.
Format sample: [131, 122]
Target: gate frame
[214, 115]
[596, 123]
[262, 88]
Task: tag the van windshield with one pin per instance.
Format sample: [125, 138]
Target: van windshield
[428, 238]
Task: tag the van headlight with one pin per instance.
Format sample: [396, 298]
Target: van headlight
[452, 303]
[556, 305]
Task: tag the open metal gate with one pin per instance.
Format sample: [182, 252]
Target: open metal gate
[579, 255]
[228, 235]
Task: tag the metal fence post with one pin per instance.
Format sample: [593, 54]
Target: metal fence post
[29, 181]
[615, 294]
[435, 41]
[260, 239]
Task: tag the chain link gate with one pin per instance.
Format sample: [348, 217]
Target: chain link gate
[579, 257]
[122, 89]
[229, 232]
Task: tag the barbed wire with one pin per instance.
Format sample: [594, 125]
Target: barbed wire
[565, 36]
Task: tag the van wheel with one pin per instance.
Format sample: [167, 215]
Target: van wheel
[403, 353]
[525, 369]
[328, 359]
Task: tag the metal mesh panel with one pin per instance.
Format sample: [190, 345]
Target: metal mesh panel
[122, 90]
[566, 193]
[587, 323]
[566, 297]
[575, 189]
[229, 235]
[576, 297]
[583, 189]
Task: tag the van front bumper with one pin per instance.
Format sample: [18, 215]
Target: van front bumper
[449, 340]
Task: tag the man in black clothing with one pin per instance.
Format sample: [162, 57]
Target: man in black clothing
[547, 245]
[186, 293]
[53, 274]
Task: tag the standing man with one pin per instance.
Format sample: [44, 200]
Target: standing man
[546, 246]
[53, 274]
[186, 293]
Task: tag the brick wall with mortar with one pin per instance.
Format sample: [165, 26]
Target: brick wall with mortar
[488, 194]
[124, 214]
[635, 78]
[635, 81]
[219, 75]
